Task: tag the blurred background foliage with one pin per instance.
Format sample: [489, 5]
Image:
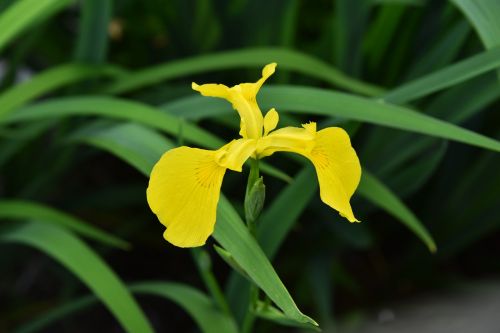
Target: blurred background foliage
[93, 91]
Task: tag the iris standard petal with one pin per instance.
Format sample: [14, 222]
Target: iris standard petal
[243, 99]
[184, 189]
[271, 120]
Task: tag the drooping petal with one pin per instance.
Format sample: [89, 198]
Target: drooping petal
[183, 192]
[338, 169]
[243, 99]
[330, 151]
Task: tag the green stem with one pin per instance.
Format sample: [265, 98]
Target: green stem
[203, 264]
[249, 319]
[252, 178]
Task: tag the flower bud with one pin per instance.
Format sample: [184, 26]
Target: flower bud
[254, 201]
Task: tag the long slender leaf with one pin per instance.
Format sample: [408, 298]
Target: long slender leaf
[378, 193]
[287, 59]
[48, 81]
[118, 109]
[24, 13]
[278, 219]
[323, 102]
[446, 77]
[318, 101]
[483, 15]
[134, 143]
[28, 210]
[201, 308]
[125, 110]
[87, 266]
[231, 233]
[92, 42]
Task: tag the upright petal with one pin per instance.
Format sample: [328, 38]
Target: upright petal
[330, 151]
[183, 192]
[271, 120]
[243, 98]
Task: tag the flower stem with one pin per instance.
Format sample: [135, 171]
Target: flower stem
[204, 265]
[255, 192]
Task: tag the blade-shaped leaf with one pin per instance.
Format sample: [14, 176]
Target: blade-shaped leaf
[287, 59]
[118, 109]
[317, 101]
[198, 305]
[28, 210]
[328, 103]
[92, 44]
[483, 15]
[78, 258]
[137, 145]
[24, 13]
[48, 81]
[376, 192]
[445, 77]
[232, 234]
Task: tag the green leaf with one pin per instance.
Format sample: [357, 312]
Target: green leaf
[484, 17]
[201, 308]
[24, 13]
[272, 234]
[27, 210]
[442, 52]
[378, 193]
[270, 313]
[137, 145]
[78, 258]
[117, 109]
[286, 59]
[317, 101]
[60, 312]
[328, 103]
[124, 110]
[232, 234]
[92, 43]
[49, 81]
[381, 32]
[400, 2]
[445, 77]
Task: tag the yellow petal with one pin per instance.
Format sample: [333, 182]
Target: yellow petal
[292, 139]
[250, 90]
[270, 121]
[338, 169]
[212, 90]
[243, 98]
[330, 151]
[183, 192]
[235, 153]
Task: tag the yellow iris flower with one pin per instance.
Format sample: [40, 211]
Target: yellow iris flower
[185, 184]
